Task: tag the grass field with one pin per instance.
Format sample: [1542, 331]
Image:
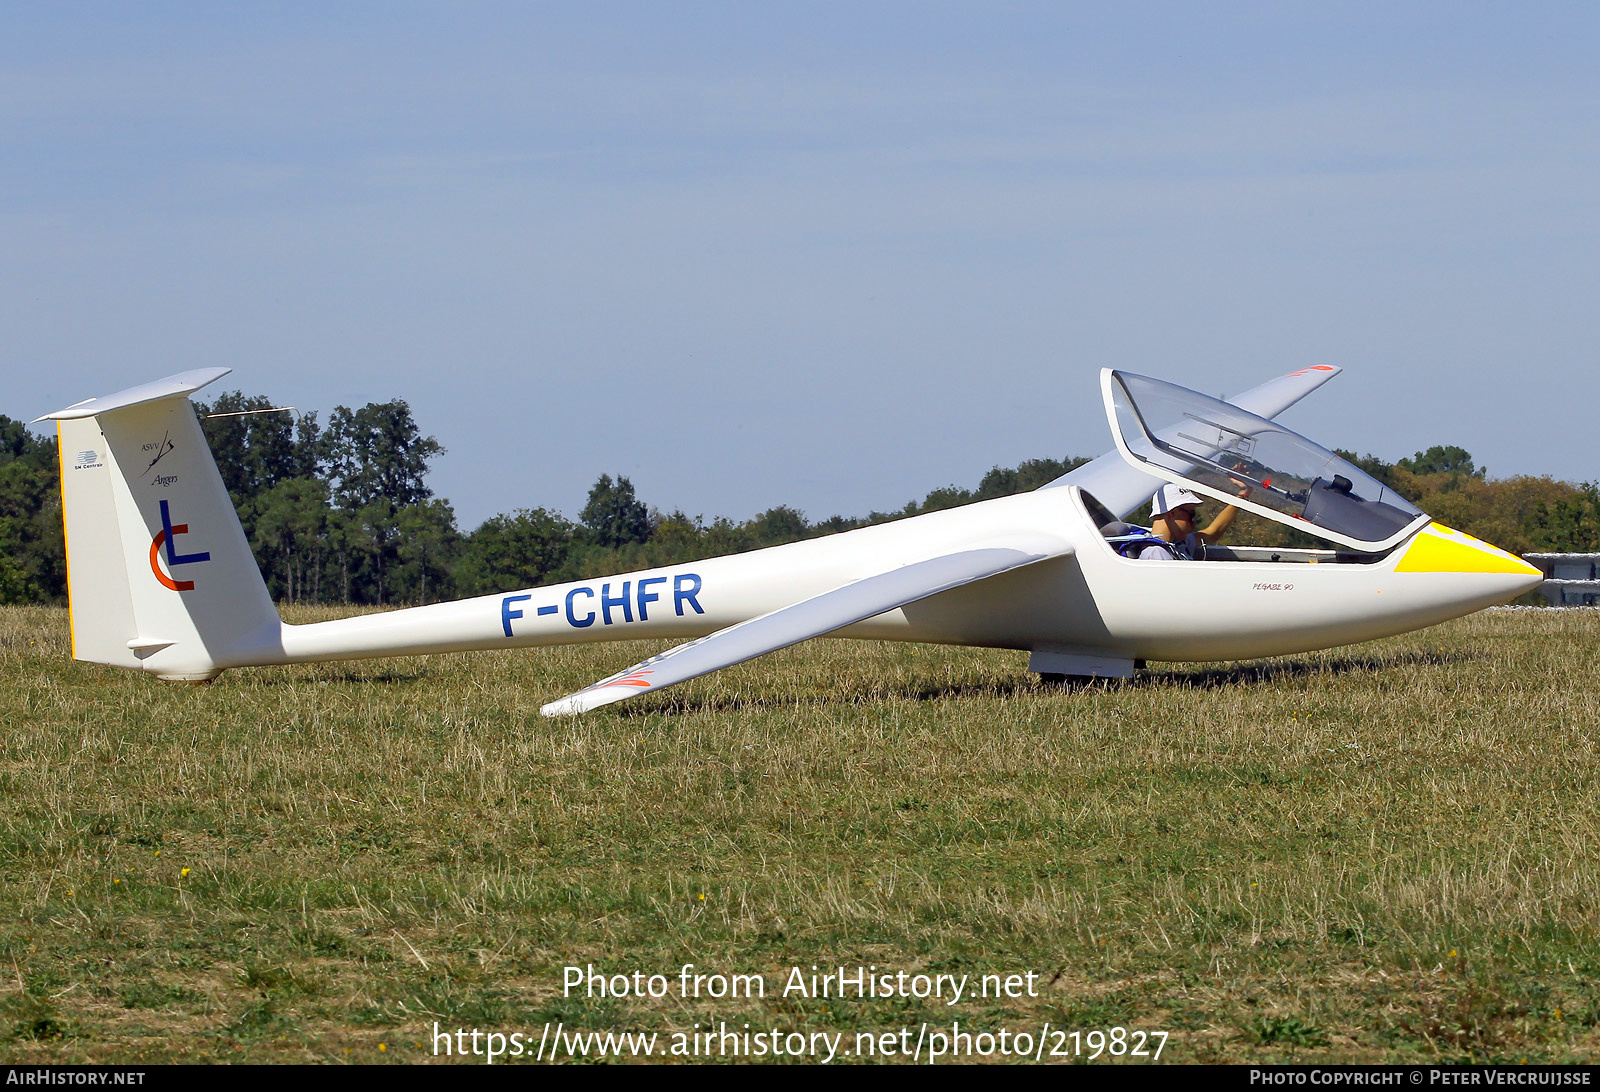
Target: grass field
[1388, 852]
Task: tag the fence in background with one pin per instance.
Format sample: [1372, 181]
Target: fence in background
[1569, 579]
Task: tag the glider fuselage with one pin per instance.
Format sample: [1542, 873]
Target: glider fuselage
[162, 579]
[1090, 599]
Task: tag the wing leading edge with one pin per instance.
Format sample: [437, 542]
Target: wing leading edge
[832, 610]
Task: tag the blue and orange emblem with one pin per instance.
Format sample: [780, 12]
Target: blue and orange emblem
[164, 537]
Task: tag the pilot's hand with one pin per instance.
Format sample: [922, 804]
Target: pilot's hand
[1242, 487]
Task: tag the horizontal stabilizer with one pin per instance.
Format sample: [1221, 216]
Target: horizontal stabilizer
[173, 386]
[809, 618]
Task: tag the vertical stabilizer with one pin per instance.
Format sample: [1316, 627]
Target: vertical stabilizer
[158, 570]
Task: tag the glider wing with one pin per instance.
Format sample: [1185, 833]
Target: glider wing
[1277, 395]
[832, 610]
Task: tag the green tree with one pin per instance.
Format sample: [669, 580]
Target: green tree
[1025, 477]
[377, 454]
[614, 515]
[17, 444]
[776, 526]
[1370, 464]
[1441, 460]
[1567, 524]
[520, 550]
[951, 496]
[32, 549]
[679, 537]
[426, 542]
[377, 461]
[255, 449]
[290, 538]
[346, 555]
[258, 448]
[369, 541]
[1517, 514]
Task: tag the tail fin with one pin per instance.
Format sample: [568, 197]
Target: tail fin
[159, 574]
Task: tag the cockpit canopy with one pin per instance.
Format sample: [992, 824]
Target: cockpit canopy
[1221, 451]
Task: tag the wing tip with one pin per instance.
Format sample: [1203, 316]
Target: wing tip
[585, 700]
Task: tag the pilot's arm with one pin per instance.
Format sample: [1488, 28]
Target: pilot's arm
[1225, 518]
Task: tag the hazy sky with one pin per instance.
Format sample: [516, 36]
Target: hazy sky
[830, 255]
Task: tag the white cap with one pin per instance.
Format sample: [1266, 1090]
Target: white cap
[1169, 497]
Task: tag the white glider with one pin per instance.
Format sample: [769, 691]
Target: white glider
[161, 578]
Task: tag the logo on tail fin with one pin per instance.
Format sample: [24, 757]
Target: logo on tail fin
[162, 450]
[168, 532]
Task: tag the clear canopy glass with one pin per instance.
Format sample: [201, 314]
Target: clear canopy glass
[1233, 455]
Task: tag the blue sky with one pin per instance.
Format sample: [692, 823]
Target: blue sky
[830, 255]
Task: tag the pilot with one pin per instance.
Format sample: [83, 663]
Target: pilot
[1174, 511]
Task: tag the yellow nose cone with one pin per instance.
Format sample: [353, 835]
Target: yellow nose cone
[1440, 549]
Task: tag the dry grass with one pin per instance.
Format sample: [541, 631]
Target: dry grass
[1385, 852]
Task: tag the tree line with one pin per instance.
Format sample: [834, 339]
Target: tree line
[341, 512]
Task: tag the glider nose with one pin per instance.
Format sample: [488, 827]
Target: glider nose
[1484, 574]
